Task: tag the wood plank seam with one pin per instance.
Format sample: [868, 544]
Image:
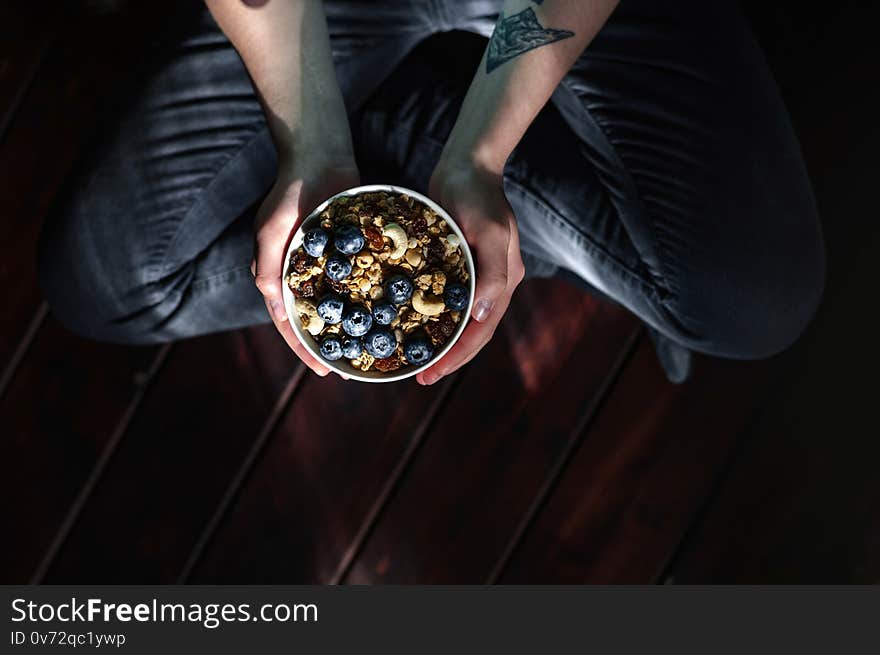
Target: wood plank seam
[9, 113]
[578, 434]
[22, 348]
[99, 467]
[281, 404]
[403, 465]
[667, 571]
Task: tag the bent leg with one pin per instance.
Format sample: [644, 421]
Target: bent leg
[683, 194]
[127, 255]
[153, 241]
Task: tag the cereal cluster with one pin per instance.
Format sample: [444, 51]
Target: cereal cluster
[381, 280]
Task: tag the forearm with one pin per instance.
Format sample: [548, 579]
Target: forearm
[532, 48]
[286, 49]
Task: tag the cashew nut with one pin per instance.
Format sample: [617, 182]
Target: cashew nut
[414, 257]
[453, 240]
[398, 238]
[427, 304]
[308, 316]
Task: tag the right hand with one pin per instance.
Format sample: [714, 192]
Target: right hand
[298, 189]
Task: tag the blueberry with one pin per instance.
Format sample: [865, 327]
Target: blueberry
[314, 241]
[349, 239]
[330, 308]
[337, 267]
[380, 343]
[352, 347]
[418, 349]
[384, 313]
[331, 348]
[357, 320]
[398, 288]
[456, 296]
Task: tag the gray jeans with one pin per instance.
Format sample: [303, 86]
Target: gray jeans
[664, 173]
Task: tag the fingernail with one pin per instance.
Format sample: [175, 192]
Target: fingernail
[431, 377]
[482, 309]
[278, 310]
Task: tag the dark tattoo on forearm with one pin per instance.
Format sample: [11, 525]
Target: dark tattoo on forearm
[517, 34]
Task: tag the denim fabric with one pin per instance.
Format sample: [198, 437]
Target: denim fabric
[664, 173]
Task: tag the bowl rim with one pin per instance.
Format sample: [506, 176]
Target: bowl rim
[308, 341]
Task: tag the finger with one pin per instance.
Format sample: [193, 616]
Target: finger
[472, 341]
[300, 350]
[477, 335]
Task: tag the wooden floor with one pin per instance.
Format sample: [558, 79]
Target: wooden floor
[558, 456]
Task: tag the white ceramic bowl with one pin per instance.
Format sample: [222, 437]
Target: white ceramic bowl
[342, 365]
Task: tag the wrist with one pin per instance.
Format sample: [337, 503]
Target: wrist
[473, 162]
[314, 152]
[475, 158]
[313, 147]
[305, 131]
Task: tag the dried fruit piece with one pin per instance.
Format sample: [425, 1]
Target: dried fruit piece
[419, 226]
[305, 289]
[436, 252]
[388, 363]
[374, 238]
[302, 262]
[447, 325]
[435, 332]
[338, 287]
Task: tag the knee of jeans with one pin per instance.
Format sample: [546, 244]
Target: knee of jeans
[749, 314]
[82, 294]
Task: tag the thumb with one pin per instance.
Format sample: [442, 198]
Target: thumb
[491, 282]
[269, 250]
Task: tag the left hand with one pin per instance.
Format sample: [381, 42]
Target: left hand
[474, 196]
[301, 186]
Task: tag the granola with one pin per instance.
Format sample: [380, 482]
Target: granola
[397, 286]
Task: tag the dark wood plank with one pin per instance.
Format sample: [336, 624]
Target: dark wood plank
[178, 458]
[35, 158]
[317, 481]
[25, 32]
[644, 469]
[800, 503]
[491, 449]
[58, 416]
